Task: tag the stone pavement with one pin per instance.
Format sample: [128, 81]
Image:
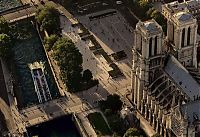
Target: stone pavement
[112, 32]
[97, 64]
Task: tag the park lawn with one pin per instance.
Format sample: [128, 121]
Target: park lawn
[99, 124]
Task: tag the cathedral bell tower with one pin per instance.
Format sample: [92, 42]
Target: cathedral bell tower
[147, 58]
[182, 34]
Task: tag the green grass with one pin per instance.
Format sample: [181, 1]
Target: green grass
[99, 124]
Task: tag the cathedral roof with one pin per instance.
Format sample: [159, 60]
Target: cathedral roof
[182, 77]
[183, 16]
[190, 111]
[150, 27]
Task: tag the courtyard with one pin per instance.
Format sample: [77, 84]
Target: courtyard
[110, 43]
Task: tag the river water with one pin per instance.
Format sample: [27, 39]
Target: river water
[60, 127]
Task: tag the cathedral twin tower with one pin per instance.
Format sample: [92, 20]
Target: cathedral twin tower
[155, 89]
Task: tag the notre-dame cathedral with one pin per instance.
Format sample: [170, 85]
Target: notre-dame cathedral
[166, 77]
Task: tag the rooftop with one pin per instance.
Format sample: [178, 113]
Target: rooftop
[150, 27]
[182, 77]
[190, 110]
[183, 16]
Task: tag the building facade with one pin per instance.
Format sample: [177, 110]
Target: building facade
[165, 78]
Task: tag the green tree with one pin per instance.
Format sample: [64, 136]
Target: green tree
[132, 132]
[87, 75]
[150, 11]
[144, 4]
[48, 18]
[115, 123]
[5, 45]
[70, 62]
[49, 41]
[112, 102]
[157, 16]
[4, 26]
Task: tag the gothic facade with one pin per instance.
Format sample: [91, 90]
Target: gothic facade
[165, 77]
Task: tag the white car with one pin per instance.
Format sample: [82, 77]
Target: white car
[119, 2]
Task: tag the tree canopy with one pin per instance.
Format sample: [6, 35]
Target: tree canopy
[48, 18]
[4, 26]
[144, 4]
[49, 41]
[133, 132]
[112, 102]
[157, 16]
[70, 62]
[5, 45]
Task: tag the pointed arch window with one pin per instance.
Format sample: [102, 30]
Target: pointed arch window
[173, 33]
[156, 45]
[183, 38]
[150, 47]
[141, 45]
[188, 37]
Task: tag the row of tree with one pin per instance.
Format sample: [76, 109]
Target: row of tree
[48, 19]
[66, 54]
[5, 39]
[70, 61]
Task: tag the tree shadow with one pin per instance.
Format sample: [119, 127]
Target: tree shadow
[91, 96]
